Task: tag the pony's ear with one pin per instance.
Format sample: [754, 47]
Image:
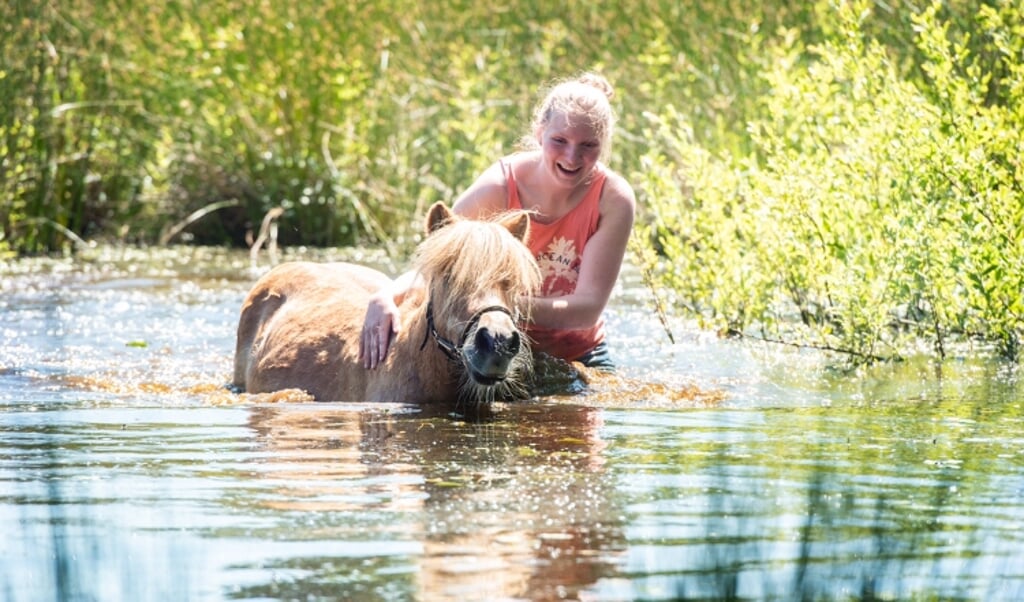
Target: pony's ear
[518, 224]
[438, 216]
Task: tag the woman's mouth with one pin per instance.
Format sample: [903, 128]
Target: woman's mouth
[567, 171]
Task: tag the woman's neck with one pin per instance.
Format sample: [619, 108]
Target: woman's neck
[537, 194]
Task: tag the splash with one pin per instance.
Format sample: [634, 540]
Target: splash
[558, 380]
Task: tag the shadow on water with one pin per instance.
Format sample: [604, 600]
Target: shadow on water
[126, 473]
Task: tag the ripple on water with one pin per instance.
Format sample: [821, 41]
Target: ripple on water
[705, 468]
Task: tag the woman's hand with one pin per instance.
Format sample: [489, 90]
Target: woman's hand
[380, 325]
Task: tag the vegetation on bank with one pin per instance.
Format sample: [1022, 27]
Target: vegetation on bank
[881, 204]
[120, 120]
[839, 174]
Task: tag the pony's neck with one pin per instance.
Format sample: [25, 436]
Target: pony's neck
[428, 368]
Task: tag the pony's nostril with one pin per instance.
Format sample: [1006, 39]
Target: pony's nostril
[512, 344]
[486, 341]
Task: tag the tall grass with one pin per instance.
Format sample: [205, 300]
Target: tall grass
[69, 141]
[119, 119]
[849, 164]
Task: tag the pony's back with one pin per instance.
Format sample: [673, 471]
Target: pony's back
[299, 327]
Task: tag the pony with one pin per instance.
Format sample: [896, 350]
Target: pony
[300, 324]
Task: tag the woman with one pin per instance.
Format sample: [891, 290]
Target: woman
[581, 218]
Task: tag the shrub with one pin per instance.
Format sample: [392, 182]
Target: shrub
[876, 210]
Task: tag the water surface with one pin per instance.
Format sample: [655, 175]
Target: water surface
[128, 473]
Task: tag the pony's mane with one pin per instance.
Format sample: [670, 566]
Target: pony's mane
[467, 257]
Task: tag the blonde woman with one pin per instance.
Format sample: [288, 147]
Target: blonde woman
[581, 217]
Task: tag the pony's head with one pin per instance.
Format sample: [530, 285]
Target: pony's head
[478, 275]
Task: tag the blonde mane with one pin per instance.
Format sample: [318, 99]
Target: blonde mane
[467, 258]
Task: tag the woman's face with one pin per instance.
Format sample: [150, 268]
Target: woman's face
[570, 149]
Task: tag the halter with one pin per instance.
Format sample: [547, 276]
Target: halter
[449, 348]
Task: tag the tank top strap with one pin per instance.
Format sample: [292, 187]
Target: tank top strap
[593, 194]
[512, 202]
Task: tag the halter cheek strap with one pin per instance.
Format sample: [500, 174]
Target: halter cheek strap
[449, 348]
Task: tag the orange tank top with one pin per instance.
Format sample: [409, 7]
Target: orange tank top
[558, 247]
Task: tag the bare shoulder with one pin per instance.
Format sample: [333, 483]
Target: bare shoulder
[617, 197]
[487, 194]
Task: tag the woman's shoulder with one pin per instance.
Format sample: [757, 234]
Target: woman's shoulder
[488, 194]
[617, 194]
[515, 164]
[520, 162]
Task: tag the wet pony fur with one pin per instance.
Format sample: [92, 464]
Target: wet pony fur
[459, 340]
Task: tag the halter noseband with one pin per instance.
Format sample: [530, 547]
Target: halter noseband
[449, 348]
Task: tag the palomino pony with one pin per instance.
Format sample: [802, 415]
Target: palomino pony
[300, 325]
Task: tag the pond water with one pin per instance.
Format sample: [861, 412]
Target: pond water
[711, 470]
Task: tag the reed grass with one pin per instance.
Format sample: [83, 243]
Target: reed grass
[119, 119]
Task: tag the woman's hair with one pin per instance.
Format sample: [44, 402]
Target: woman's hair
[586, 97]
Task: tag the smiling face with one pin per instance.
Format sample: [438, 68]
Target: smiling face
[570, 147]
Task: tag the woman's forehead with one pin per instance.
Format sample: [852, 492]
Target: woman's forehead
[566, 124]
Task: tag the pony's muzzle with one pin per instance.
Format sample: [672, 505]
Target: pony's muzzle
[491, 354]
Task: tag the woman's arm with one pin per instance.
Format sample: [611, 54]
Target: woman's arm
[599, 266]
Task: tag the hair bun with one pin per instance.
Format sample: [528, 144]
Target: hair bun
[597, 81]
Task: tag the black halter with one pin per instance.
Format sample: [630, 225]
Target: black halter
[449, 348]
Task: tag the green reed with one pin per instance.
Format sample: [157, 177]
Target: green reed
[845, 167]
[119, 120]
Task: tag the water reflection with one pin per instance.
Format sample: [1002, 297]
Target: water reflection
[127, 473]
[100, 504]
[537, 501]
[507, 506]
[820, 504]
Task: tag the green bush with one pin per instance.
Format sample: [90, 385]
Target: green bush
[877, 209]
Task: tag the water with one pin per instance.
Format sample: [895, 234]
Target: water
[128, 473]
